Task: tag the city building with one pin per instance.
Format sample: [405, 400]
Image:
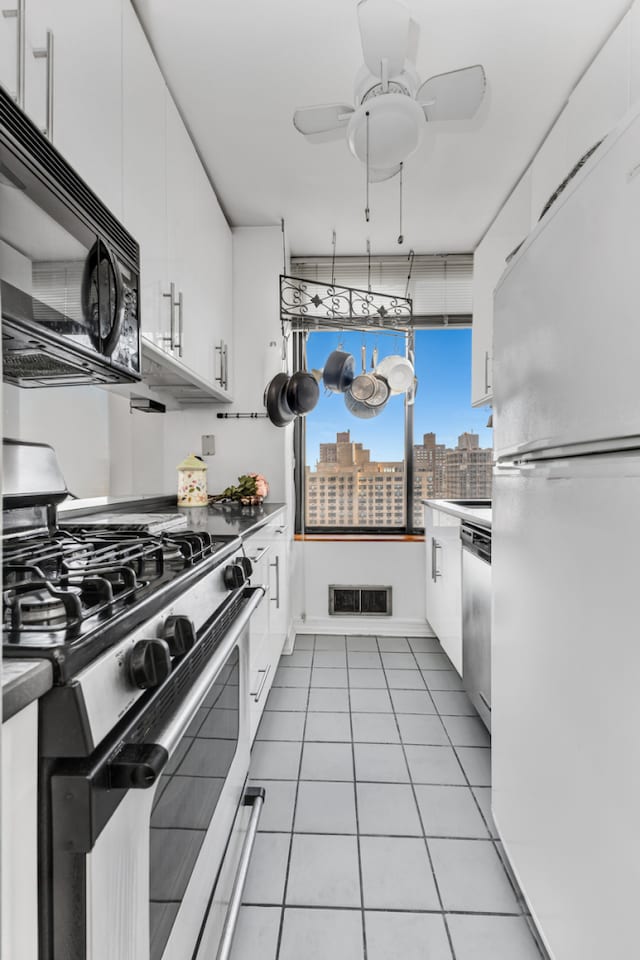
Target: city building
[348, 489]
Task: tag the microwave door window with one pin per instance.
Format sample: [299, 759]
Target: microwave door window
[103, 301]
[43, 268]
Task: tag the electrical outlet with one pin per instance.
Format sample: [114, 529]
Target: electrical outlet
[208, 445]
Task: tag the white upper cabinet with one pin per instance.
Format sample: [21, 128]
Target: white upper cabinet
[144, 175]
[73, 86]
[510, 229]
[172, 211]
[199, 253]
[596, 105]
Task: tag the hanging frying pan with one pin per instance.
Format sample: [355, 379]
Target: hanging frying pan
[303, 391]
[275, 400]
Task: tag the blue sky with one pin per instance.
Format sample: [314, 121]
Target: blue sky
[443, 404]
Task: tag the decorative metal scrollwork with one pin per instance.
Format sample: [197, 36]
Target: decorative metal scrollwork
[309, 303]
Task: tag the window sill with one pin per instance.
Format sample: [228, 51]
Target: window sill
[371, 537]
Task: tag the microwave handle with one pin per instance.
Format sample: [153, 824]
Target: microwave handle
[118, 314]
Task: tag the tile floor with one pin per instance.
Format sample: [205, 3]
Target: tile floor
[376, 840]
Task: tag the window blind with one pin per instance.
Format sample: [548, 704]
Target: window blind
[440, 286]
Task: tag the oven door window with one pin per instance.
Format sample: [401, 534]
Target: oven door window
[187, 797]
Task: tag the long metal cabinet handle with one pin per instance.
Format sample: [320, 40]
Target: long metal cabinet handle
[172, 306]
[256, 694]
[487, 385]
[180, 324]
[21, 47]
[435, 546]
[254, 797]
[47, 53]
[176, 728]
[223, 379]
[276, 565]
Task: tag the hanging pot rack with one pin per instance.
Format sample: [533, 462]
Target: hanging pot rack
[309, 304]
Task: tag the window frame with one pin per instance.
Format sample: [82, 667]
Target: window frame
[300, 462]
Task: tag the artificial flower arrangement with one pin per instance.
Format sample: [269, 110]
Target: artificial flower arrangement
[252, 489]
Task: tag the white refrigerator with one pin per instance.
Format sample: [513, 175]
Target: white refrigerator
[566, 560]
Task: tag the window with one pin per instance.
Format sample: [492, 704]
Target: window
[452, 445]
[371, 474]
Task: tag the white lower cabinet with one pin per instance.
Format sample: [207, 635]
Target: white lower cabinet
[19, 835]
[269, 551]
[444, 581]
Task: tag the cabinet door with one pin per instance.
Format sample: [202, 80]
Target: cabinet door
[19, 835]
[144, 175]
[489, 262]
[444, 582]
[199, 250]
[279, 569]
[9, 47]
[86, 74]
[261, 668]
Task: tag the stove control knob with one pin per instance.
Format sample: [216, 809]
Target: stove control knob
[246, 565]
[233, 576]
[179, 634]
[149, 663]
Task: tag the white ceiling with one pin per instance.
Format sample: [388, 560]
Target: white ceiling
[238, 70]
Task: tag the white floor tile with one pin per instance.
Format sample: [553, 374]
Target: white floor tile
[406, 936]
[321, 935]
[323, 872]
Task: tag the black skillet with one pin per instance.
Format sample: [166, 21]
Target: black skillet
[275, 400]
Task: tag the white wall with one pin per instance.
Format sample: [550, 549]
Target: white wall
[74, 420]
[399, 564]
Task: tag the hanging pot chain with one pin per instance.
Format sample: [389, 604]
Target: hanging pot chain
[366, 209]
[411, 258]
[400, 237]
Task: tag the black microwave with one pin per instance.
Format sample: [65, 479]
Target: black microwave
[69, 271]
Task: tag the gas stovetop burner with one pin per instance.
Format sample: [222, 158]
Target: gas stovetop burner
[43, 608]
[71, 593]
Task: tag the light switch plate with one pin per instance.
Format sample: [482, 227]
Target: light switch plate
[208, 445]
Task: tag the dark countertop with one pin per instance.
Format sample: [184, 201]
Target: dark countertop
[23, 681]
[222, 519]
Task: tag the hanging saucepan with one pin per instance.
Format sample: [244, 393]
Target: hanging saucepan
[275, 400]
[364, 385]
[338, 371]
[302, 390]
[359, 408]
[397, 371]
[381, 390]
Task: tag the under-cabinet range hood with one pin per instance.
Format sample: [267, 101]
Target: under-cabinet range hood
[166, 375]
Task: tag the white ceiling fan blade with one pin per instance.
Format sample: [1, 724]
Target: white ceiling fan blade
[384, 33]
[453, 96]
[413, 42]
[312, 121]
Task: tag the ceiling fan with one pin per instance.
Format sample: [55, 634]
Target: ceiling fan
[392, 107]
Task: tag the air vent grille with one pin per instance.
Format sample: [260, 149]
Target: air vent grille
[359, 601]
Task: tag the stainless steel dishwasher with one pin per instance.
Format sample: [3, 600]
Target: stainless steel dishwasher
[476, 617]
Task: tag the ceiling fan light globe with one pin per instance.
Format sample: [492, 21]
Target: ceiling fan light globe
[396, 127]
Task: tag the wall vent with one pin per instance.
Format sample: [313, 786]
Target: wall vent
[359, 601]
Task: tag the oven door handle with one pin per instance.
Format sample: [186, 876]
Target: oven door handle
[171, 735]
